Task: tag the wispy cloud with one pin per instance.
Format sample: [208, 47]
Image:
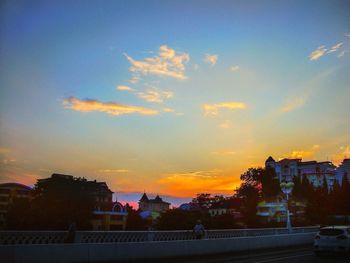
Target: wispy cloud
[169, 110]
[112, 108]
[319, 52]
[213, 109]
[293, 104]
[113, 171]
[309, 153]
[168, 63]
[226, 124]
[155, 95]
[342, 153]
[124, 88]
[322, 51]
[211, 59]
[234, 68]
[225, 152]
[334, 48]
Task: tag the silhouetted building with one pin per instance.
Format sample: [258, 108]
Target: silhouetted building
[106, 214]
[99, 191]
[9, 192]
[153, 205]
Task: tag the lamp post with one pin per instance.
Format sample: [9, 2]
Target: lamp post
[286, 188]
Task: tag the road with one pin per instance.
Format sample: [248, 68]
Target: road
[291, 255]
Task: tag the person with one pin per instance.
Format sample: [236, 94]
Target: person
[199, 230]
[71, 233]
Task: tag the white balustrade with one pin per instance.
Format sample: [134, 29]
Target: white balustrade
[50, 237]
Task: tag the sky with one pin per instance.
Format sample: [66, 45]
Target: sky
[170, 97]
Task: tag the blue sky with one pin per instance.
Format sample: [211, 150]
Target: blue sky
[171, 97]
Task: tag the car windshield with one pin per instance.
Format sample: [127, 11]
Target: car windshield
[331, 232]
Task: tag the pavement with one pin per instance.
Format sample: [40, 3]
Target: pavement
[290, 255]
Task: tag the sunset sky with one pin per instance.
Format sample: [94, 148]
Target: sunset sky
[170, 97]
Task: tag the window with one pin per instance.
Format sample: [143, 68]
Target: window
[331, 232]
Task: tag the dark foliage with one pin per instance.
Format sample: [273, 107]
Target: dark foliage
[54, 205]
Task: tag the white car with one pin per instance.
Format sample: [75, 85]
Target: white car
[332, 239]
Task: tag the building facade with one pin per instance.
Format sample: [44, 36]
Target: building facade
[115, 219]
[153, 205]
[342, 169]
[286, 169]
[8, 193]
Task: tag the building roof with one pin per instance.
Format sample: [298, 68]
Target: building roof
[270, 159]
[290, 160]
[307, 163]
[7, 185]
[144, 198]
[158, 199]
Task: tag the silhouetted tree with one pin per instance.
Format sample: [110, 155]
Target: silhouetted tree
[178, 219]
[54, 205]
[134, 220]
[270, 184]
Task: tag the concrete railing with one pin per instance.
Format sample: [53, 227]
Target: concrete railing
[54, 237]
[131, 251]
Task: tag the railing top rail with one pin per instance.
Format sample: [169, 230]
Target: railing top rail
[156, 231]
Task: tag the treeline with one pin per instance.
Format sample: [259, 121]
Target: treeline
[54, 205]
[323, 204]
[310, 205]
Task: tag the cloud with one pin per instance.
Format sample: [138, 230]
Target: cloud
[234, 68]
[343, 52]
[169, 110]
[191, 183]
[293, 104]
[113, 171]
[227, 124]
[300, 154]
[4, 150]
[213, 109]
[112, 108]
[342, 153]
[168, 63]
[223, 153]
[322, 51]
[334, 48]
[155, 95]
[319, 52]
[124, 88]
[211, 59]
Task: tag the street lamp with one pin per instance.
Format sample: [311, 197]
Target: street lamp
[286, 188]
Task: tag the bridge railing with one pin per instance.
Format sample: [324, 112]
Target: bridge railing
[52, 237]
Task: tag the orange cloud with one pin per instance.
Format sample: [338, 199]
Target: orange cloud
[227, 124]
[300, 154]
[111, 108]
[223, 152]
[213, 109]
[343, 153]
[113, 171]
[124, 88]
[211, 59]
[191, 183]
[293, 104]
[155, 95]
